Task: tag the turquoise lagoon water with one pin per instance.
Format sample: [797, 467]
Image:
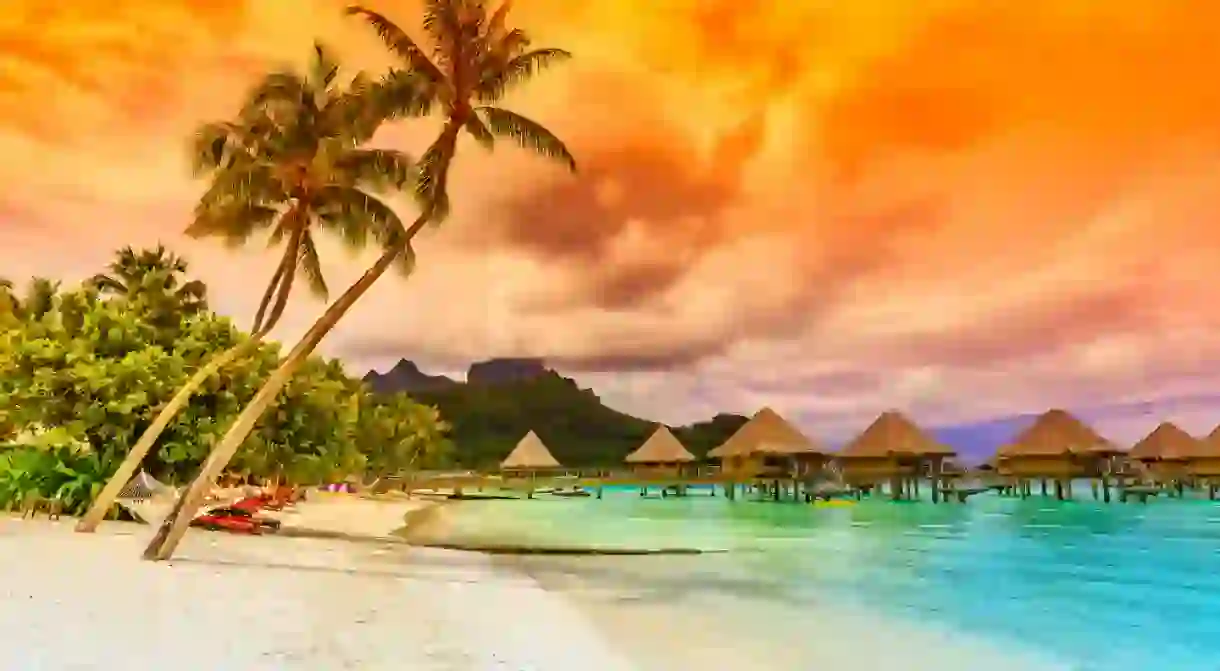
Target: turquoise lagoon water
[1087, 584]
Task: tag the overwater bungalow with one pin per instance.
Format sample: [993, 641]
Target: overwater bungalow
[1204, 464]
[893, 451]
[529, 459]
[769, 449]
[661, 457]
[1166, 452]
[1057, 448]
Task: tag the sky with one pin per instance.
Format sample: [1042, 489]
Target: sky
[962, 209]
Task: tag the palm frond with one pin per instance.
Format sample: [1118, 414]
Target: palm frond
[311, 266]
[443, 24]
[356, 111]
[398, 41]
[405, 263]
[356, 215]
[402, 94]
[277, 233]
[378, 169]
[527, 133]
[214, 144]
[235, 221]
[514, 42]
[495, 28]
[104, 283]
[475, 127]
[284, 87]
[324, 68]
[500, 78]
[246, 183]
[431, 190]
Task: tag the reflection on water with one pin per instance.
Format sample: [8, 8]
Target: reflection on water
[1099, 584]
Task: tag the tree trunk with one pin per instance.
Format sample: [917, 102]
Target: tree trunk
[281, 284]
[174, 526]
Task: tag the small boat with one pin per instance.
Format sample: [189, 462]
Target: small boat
[573, 492]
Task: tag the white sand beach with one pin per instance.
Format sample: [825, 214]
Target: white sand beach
[86, 601]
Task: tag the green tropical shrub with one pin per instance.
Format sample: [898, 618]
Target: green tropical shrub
[83, 378]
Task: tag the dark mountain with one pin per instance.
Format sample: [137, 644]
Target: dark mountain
[503, 371]
[406, 376]
[506, 398]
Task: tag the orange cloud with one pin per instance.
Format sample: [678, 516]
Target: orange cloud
[947, 205]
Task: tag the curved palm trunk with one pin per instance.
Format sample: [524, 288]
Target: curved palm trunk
[174, 526]
[105, 499]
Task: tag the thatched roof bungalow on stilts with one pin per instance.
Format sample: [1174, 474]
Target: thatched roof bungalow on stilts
[528, 459]
[1204, 462]
[769, 448]
[892, 450]
[661, 453]
[1166, 452]
[662, 457]
[1058, 447]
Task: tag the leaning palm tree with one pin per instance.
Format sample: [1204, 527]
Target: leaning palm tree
[475, 58]
[291, 164]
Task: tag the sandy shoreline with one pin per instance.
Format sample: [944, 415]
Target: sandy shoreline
[86, 601]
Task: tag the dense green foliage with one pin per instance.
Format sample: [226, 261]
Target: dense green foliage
[488, 420]
[84, 375]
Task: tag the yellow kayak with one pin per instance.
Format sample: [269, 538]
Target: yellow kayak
[835, 502]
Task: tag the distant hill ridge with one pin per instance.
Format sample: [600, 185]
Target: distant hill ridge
[504, 398]
[406, 375]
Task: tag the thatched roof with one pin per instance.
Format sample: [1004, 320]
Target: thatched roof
[767, 433]
[529, 454]
[660, 448]
[892, 433]
[1057, 433]
[1209, 447]
[1166, 441]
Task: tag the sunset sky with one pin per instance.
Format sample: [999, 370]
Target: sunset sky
[964, 209]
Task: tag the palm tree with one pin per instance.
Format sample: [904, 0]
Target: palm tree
[38, 300]
[290, 165]
[475, 59]
[154, 275]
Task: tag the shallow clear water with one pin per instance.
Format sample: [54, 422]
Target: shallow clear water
[1088, 584]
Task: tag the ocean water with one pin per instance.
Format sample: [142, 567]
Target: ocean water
[1076, 585]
